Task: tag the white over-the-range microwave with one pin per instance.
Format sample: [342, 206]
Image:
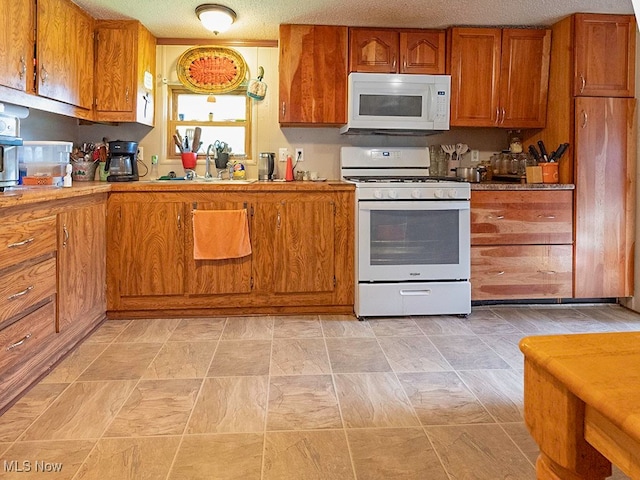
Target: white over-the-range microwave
[397, 103]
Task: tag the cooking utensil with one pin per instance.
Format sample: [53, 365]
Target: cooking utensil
[461, 149]
[534, 153]
[195, 142]
[188, 139]
[543, 151]
[178, 141]
[559, 152]
[449, 150]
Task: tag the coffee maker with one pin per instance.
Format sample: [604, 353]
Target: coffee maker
[122, 163]
[266, 166]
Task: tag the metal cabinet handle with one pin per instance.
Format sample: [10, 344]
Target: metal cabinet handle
[497, 217]
[43, 75]
[583, 83]
[23, 67]
[20, 294]
[126, 95]
[179, 222]
[550, 217]
[394, 63]
[404, 63]
[66, 236]
[20, 244]
[548, 272]
[19, 342]
[278, 221]
[497, 122]
[504, 114]
[284, 108]
[585, 119]
[501, 272]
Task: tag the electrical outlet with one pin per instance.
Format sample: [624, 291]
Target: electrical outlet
[475, 156]
[299, 155]
[282, 154]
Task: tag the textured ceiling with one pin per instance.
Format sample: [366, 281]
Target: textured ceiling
[259, 19]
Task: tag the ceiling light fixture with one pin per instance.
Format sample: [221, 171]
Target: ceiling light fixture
[216, 18]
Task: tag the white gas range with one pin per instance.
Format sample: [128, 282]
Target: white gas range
[412, 234]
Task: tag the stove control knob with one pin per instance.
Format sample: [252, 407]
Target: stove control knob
[377, 194]
[416, 194]
[393, 194]
[438, 193]
[452, 193]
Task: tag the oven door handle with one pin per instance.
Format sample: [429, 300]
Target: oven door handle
[415, 293]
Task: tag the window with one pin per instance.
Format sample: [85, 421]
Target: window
[225, 117]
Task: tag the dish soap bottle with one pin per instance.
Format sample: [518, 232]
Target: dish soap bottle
[154, 168]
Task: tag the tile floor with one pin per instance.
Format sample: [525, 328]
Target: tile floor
[277, 398]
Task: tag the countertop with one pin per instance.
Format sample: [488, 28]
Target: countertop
[256, 186]
[24, 195]
[521, 186]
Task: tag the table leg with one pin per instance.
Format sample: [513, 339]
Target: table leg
[555, 419]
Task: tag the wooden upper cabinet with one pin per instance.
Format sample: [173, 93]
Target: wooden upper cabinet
[125, 53]
[396, 51]
[475, 71]
[64, 53]
[17, 40]
[499, 78]
[605, 52]
[313, 75]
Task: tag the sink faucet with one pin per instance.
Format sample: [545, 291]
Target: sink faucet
[207, 168]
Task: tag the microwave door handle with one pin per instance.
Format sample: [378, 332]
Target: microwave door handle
[432, 102]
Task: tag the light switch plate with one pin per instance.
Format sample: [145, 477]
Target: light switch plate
[282, 154]
[475, 156]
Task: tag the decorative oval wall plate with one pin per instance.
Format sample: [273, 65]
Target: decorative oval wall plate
[211, 69]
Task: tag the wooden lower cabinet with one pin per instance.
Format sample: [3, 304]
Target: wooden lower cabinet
[82, 254]
[521, 272]
[301, 260]
[521, 244]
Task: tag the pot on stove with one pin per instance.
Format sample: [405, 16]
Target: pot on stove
[468, 174]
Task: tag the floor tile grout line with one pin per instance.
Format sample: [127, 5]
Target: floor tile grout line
[516, 444]
[266, 406]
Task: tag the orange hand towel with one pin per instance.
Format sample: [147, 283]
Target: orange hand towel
[220, 234]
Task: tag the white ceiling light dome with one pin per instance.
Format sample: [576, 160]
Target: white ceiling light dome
[216, 18]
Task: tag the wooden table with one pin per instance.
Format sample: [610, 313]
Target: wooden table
[582, 404]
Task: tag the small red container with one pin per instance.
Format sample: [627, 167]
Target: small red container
[189, 160]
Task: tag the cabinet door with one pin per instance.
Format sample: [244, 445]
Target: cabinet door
[81, 267]
[604, 178]
[148, 240]
[375, 50]
[605, 52]
[475, 69]
[16, 38]
[521, 272]
[212, 277]
[422, 51]
[65, 53]
[115, 58]
[304, 247]
[313, 75]
[524, 77]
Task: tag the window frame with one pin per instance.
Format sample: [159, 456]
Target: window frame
[173, 122]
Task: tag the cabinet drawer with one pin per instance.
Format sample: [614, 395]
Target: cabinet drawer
[527, 217]
[25, 342]
[21, 241]
[521, 272]
[25, 287]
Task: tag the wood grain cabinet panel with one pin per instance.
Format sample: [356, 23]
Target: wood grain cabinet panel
[82, 266]
[383, 50]
[27, 348]
[65, 53]
[521, 244]
[126, 55]
[604, 55]
[17, 38]
[24, 240]
[499, 77]
[313, 75]
[521, 272]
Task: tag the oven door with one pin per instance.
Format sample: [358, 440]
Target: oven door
[413, 240]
